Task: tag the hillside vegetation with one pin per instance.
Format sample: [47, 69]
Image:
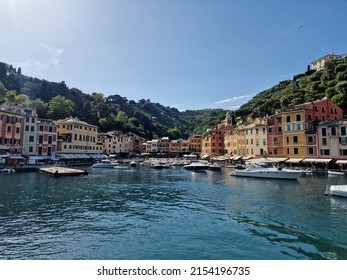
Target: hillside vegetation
[313, 85]
[55, 100]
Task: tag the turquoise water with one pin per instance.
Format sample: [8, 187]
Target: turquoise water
[143, 213]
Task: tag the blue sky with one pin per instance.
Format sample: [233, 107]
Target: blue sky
[188, 54]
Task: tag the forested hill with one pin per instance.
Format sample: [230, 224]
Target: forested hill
[312, 85]
[56, 100]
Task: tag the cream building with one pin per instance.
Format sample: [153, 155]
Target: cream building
[256, 138]
[75, 136]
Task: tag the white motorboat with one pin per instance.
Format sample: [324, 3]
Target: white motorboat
[133, 163]
[105, 163]
[215, 167]
[160, 165]
[336, 173]
[262, 170]
[196, 166]
[7, 170]
[336, 190]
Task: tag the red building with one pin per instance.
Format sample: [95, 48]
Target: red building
[275, 136]
[46, 137]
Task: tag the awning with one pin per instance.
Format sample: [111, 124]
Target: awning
[237, 157]
[294, 160]
[341, 161]
[324, 160]
[3, 147]
[318, 160]
[16, 157]
[205, 156]
[38, 157]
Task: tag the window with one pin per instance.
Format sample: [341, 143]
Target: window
[17, 130]
[295, 139]
[8, 129]
[41, 128]
[324, 152]
[275, 140]
[270, 129]
[310, 139]
[310, 151]
[300, 126]
[309, 117]
[26, 128]
[50, 129]
[40, 139]
[324, 141]
[275, 151]
[31, 138]
[288, 127]
[32, 128]
[31, 149]
[323, 109]
[279, 129]
[288, 119]
[324, 131]
[298, 118]
[287, 140]
[343, 130]
[333, 131]
[296, 151]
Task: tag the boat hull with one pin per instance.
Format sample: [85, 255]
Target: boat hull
[336, 190]
[283, 175]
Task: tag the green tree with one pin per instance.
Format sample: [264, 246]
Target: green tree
[23, 98]
[40, 107]
[60, 107]
[174, 133]
[2, 93]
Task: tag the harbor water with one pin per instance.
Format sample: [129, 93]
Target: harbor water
[170, 214]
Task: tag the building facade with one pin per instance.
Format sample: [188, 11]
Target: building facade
[75, 136]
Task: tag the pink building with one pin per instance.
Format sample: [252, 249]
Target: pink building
[275, 136]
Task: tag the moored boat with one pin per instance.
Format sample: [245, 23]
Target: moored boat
[196, 166]
[336, 173]
[105, 163]
[7, 170]
[336, 190]
[262, 170]
[215, 167]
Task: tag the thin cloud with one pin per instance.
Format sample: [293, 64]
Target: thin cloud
[36, 66]
[233, 99]
[54, 53]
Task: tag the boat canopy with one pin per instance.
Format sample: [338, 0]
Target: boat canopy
[268, 160]
[341, 161]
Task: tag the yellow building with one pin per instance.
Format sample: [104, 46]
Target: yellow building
[256, 138]
[75, 136]
[319, 63]
[294, 136]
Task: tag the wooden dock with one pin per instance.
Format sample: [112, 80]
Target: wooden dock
[62, 171]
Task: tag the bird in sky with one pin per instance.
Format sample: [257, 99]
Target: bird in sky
[301, 26]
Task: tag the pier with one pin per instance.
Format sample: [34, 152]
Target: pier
[62, 171]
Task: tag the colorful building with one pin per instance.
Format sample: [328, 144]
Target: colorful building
[75, 136]
[47, 137]
[195, 144]
[274, 136]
